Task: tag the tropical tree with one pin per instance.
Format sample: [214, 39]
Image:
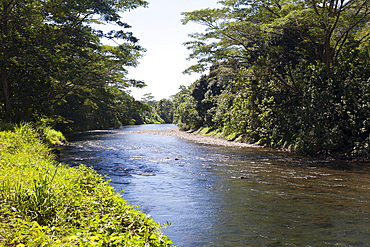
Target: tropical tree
[276, 35]
[49, 49]
[164, 108]
[185, 115]
[300, 73]
[149, 99]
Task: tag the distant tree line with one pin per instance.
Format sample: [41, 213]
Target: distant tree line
[286, 74]
[157, 112]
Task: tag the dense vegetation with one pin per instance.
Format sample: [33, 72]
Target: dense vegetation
[53, 65]
[287, 74]
[157, 112]
[44, 203]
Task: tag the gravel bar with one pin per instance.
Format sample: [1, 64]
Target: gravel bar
[198, 138]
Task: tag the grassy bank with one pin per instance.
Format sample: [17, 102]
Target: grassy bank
[44, 203]
[207, 131]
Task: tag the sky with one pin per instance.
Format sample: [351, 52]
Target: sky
[160, 31]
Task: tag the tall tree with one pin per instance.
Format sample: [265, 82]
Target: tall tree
[275, 35]
[303, 73]
[149, 99]
[46, 46]
[164, 108]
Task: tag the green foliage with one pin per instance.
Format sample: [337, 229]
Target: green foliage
[335, 112]
[43, 203]
[164, 108]
[53, 136]
[149, 100]
[156, 112]
[185, 115]
[152, 117]
[298, 74]
[5, 126]
[52, 63]
[103, 108]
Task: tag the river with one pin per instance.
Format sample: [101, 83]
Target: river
[231, 196]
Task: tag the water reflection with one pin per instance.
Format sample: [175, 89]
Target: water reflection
[224, 196]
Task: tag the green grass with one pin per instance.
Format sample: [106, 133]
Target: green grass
[207, 131]
[47, 134]
[45, 203]
[52, 136]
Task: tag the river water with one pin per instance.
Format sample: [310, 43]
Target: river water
[231, 196]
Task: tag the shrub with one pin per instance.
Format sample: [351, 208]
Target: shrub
[52, 136]
[5, 126]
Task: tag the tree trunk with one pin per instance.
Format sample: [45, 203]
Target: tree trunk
[5, 74]
[327, 56]
[6, 91]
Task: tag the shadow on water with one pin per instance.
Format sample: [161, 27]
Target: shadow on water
[229, 196]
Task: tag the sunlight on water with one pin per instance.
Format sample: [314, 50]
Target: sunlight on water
[225, 196]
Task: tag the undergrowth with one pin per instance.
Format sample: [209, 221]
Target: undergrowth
[52, 136]
[47, 134]
[45, 203]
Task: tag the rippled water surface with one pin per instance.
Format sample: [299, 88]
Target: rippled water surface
[225, 196]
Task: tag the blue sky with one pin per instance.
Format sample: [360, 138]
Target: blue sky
[160, 31]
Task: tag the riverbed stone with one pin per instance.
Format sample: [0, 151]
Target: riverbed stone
[198, 138]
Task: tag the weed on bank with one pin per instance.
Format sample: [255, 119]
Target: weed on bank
[45, 203]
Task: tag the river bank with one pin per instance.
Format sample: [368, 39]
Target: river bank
[47, 203]
[197, 137]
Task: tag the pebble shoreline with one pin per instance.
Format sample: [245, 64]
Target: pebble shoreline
[211, 140]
